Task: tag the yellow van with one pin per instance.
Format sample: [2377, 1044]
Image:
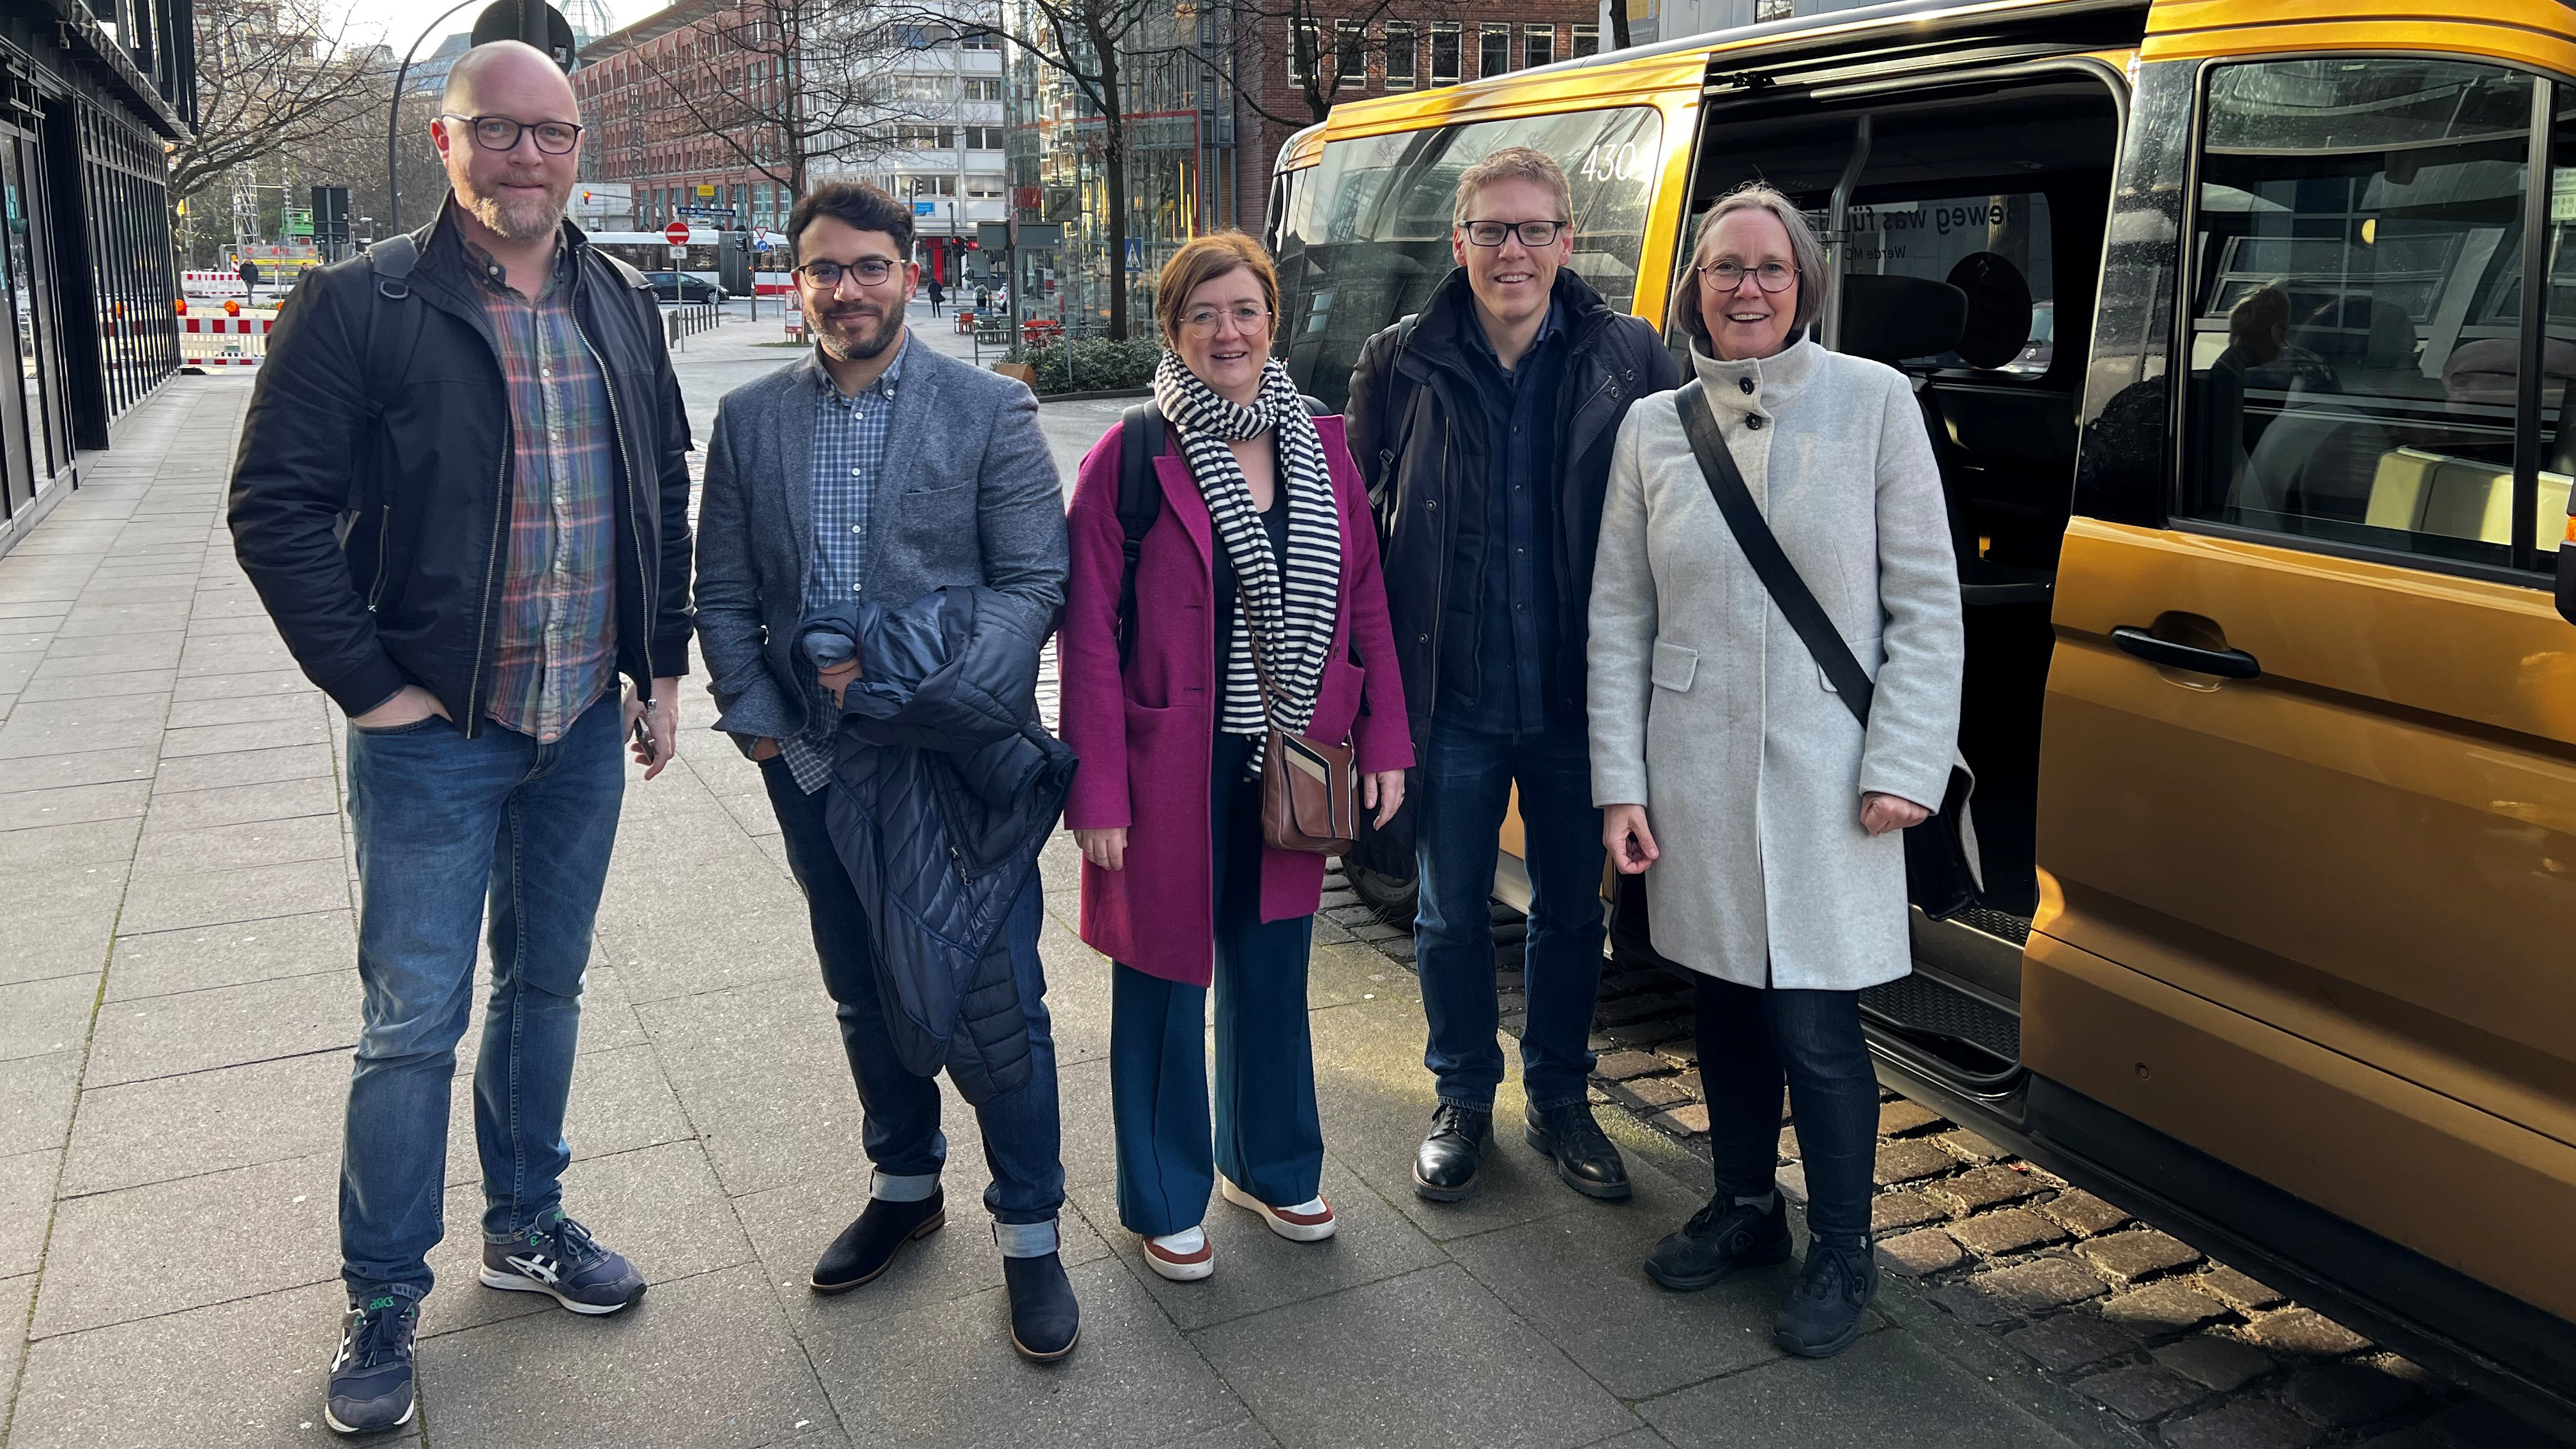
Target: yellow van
[2257, 435]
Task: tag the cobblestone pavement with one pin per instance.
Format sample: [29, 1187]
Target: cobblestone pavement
[177, 1006]
[2180, 1349]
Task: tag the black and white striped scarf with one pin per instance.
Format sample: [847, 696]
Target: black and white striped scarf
[1295, 613]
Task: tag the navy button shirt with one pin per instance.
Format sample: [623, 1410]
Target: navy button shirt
[1517, 618]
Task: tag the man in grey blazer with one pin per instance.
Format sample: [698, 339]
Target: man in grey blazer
[877, 468]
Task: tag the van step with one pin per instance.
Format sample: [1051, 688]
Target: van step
[1918, 1006]
[2013, 928]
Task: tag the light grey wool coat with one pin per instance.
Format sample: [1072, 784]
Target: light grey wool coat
[1708, 710]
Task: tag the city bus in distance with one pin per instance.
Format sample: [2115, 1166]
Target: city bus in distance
[2245, 335]
[650, 252]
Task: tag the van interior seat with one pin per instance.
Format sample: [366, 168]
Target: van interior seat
[1891, 318]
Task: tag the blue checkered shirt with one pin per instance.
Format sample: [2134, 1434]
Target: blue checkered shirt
[849, 453]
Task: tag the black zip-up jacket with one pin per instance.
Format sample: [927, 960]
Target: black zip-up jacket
[1418, 432]
[371, 496]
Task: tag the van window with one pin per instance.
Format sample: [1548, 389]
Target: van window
[1366, 239]
[2355, 334]
[1959, 240]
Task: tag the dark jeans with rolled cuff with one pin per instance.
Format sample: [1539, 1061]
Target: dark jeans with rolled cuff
[1022, 1135]
[1750, 1039]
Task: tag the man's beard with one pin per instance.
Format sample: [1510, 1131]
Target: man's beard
[852, 345]
[515, 219]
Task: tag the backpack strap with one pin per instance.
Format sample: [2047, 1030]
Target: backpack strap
[1141, 438]
[391, 262]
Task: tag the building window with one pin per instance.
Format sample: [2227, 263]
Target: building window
[1303, 47]
[1587, 40]
[1774, 10]
[981, 40]
[978, 89]
[923, 138]
[984, 138]
[983, 188]
[1350, 55]
[1538, 44]
[1445, 45]
[1400, 55]
[1494, 56]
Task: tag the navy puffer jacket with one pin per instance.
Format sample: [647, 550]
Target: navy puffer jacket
[944, 787]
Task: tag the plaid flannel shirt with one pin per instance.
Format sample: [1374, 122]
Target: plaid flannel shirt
[849, 453]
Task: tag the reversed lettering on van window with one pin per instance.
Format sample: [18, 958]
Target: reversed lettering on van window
[2356, 311]
[1931, 238]
[1366, 240]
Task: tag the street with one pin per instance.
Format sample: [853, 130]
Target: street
[179, 1003]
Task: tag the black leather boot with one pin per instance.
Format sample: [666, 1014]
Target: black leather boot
[867, 1247]
[1585, 1160]
[1824, 1315]
[1045, 1319]
[1720, 1238]
[1445, 1166]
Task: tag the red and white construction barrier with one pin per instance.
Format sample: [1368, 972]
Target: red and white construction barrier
[224, 341]
[212, 284]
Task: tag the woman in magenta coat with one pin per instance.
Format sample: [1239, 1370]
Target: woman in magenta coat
[1264, 534]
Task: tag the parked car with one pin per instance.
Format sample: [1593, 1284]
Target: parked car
[690, 289]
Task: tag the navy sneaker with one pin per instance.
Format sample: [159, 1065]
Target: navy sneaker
[371, 1382]
[558, 1257]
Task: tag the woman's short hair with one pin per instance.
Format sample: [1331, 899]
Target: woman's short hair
[1805, 252]
[1204, 259]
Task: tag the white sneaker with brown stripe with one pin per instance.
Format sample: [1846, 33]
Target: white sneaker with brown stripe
[1307, 1222]
[1183, 1257]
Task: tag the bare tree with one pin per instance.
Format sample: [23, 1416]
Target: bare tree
[782, 85]
[1103, 51]
[1324, 44]
[270, 78]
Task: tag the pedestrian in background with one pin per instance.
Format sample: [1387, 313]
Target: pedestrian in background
[874, 469]
[511, 462]
[1767, 823]
[938, 294]
[1261, 542]
[250, 282]
[1485, 423]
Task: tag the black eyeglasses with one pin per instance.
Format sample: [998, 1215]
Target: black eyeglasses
[1727, 276]
[500, 133]
[1532, 233]
[826, 274]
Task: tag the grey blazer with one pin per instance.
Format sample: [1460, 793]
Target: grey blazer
[969, 495]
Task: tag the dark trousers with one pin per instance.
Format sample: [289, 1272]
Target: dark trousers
[1022, 1137]
[1466, 778]
[1750, 1038]
[1267, 1138]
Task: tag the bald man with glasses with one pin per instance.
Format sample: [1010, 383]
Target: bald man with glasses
[462, 493]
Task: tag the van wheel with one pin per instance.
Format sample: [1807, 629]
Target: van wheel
[1391, 898]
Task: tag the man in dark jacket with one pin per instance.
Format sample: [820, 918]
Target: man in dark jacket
[1485, 425]
[877, 469]
[462, 493]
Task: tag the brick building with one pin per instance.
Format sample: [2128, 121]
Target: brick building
[656, 94]
[1381, 48]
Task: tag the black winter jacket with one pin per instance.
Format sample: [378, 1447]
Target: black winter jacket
[1417, 430]
[371, 495]
[944, 787]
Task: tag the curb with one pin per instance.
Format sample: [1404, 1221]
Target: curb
[1048, 397]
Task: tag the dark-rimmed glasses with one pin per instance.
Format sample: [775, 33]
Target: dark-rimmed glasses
[500, 133]
[1532, 233]
[827, 274]
[1727, 276]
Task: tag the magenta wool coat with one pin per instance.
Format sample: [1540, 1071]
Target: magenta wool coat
[1145, 738]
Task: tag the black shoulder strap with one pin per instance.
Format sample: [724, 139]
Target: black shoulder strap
[1762, 549]
[1140, 501]
[391, 261]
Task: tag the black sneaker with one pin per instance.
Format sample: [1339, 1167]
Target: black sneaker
[1720, 1238]
[559, 1258]
[371, 1383]
[1824, 1316]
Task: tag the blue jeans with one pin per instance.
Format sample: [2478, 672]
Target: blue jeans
[1022, 1137]
[1268, 1138]
[1750, 1038]
[1467, 777]
[443, 825]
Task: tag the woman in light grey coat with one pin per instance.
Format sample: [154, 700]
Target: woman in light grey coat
[1766, 821]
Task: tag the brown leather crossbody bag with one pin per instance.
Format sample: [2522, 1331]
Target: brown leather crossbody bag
[1309, 789]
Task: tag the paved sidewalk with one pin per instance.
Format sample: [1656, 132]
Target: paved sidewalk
[177, 1007]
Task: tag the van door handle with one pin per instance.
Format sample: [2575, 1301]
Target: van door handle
[2225, 663]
